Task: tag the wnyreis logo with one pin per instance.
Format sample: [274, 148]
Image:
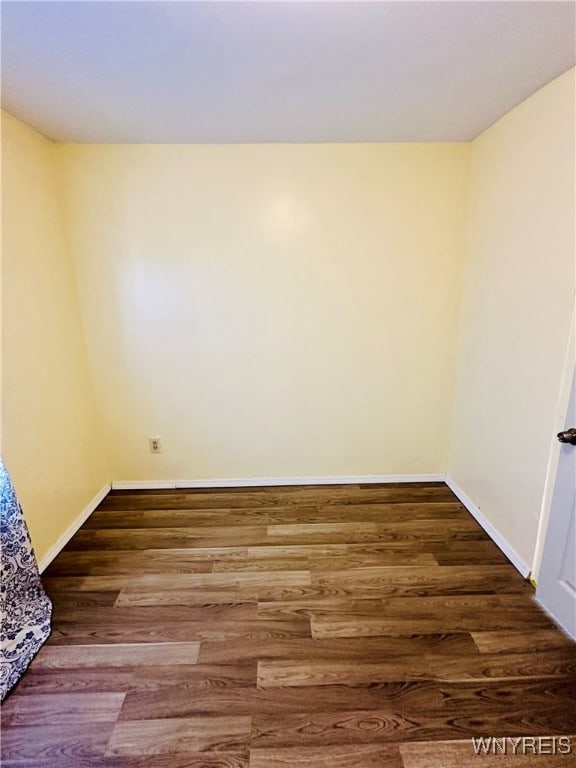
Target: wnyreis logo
[523, 745]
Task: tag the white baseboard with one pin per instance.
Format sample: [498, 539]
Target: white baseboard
[59, 545]
[494, 534]
[141, 485]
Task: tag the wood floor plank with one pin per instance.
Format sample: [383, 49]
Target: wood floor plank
[388, 513]
[483, 552]
[48, 743]
[555, 664]
[167, 615]
[302, 530]
[85, 600]
[358, 614]
[325, 729]
[56, 586]
[323, 564]
[245, 579]
[381, 727]
[419, 530]
[357, 624]
[194, 596]
[344, 756]
[340, 591]
[278, 564]
[131, 562]
[199, 518]
[521, 642]
[275, 550]
[351, 650]
[143, 633]
[137, 678]
[425, 581]
[198, 760]
[324, 513]
[337, 495]
[165, 538]
[458, 753]
[395, 557]
[435, 605]
[117, 655]
[181, 736]
[250, 700]
[480, 551]
[501, 694]
[342, 625]
[62, 708]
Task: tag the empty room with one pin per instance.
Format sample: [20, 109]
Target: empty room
[288, 423]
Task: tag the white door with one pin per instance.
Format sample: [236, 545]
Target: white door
[556, 589]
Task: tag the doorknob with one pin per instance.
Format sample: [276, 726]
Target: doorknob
[568, 436]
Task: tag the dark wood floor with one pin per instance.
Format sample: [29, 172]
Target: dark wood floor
[349, 627]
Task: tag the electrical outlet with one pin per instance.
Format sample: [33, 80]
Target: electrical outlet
[155, 445]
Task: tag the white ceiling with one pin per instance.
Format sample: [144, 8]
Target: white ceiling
[215, 72]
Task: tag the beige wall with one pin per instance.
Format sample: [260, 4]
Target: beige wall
[519, 290]
[290, 311]
[271, 310]
[50, 435]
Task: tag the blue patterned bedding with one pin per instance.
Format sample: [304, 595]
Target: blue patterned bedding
[24, 608]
